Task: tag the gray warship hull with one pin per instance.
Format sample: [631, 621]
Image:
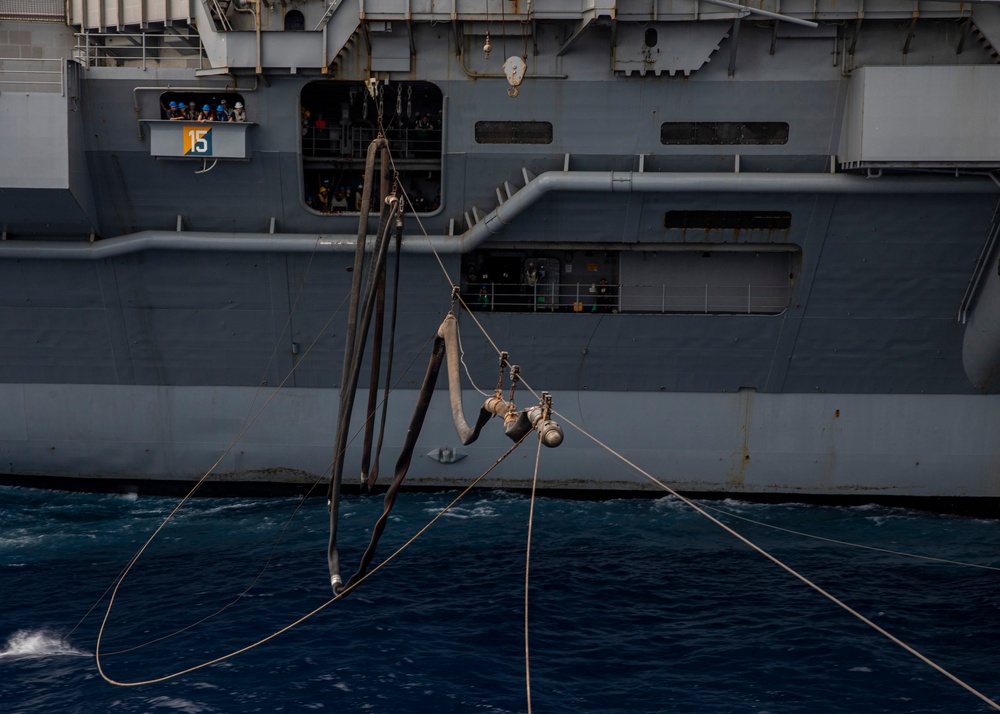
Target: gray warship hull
[797, 226]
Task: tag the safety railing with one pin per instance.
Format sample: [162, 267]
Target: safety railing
[351, 142]
[138, 49]
[19, 74]
[606, 298]
[705, 298]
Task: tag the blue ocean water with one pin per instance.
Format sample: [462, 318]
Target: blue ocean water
[634, 606]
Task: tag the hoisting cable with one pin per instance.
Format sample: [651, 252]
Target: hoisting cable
[787, 568]
[309, 614]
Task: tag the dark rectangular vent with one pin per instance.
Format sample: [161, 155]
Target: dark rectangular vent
[720, 133]
[513, 132]
[721, 220]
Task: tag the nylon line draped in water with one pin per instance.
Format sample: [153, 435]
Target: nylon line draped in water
[303, 618]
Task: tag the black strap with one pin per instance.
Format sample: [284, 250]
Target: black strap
[373, 475]
[405, 456]
[348, 391]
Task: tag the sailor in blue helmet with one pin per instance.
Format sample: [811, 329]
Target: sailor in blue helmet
[220, 113]
[205, 114]
[172, 111]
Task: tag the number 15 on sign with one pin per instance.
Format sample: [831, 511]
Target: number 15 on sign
[197, 141]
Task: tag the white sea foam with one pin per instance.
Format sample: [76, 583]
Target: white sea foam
[480, 511]
[22, 539]
[230, 507]
[38, 643]
[670, 503]
[177, 704]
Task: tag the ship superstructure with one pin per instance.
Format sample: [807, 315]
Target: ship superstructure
[752, 247]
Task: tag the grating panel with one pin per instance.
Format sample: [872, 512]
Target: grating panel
[54, 10]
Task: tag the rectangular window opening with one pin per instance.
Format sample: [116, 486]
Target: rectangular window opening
[729, 220]
[513, 132]
[750, 133]
[690, 279]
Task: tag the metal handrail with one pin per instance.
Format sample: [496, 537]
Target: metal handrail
[42, 74]
[702, 298]
[89, 53]
[337, 141]
[220, 11]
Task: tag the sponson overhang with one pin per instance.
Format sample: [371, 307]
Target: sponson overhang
[534, 191]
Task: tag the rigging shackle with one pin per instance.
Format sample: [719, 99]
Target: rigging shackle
[515, 377]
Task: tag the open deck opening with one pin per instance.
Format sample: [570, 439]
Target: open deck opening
[339, 121]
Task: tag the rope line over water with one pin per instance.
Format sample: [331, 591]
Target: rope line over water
[903, 554]
[787, 568]
[248, 422]
[316, 482]
[716, 521]
[303, 618]
[362, 576]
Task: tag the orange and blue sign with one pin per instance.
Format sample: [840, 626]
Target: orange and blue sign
[197, 141]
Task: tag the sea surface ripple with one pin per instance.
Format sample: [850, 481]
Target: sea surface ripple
[633, 606]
